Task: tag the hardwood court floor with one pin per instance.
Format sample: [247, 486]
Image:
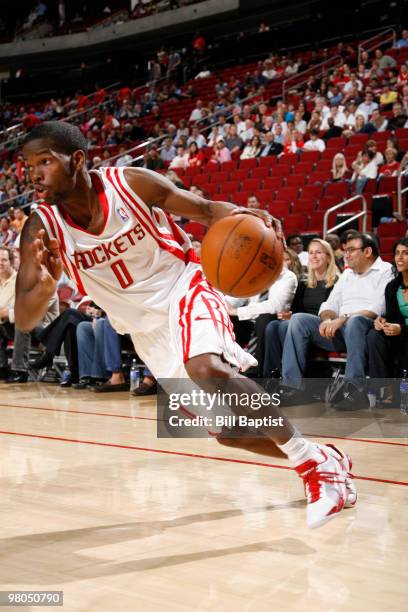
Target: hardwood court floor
[92, 503]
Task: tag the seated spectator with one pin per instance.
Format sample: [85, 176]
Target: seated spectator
[292, 262]
[198, 112]
[377, 123]
[6, 233]
[391, 167]
[293, 143]
[262, 308]
[221, 153]
[393, 143]
[403, 75]
[368, 106]
[365, 167]
[371, 145]
[19, 219]
[253, 202]
[388, 341]
[360, 125]
[252, 150]
[402, 42]
[181, 159]
[315, 143]
[300, 123]
[99, 356]
[343, 323]
[62, 331]
[335, 243]
[233, 142]
[399, 118]
[7, 295]
[310, 293]
[195, 156]
[168, 150]
[125, 159]
[339, 170]
[271, 147]
[295, 242]
[197, 137]
[333, 131]
[152, 159]
[387, 97]
[385, 61]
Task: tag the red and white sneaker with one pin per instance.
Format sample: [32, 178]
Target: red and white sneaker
[347, 464]
[324, 478]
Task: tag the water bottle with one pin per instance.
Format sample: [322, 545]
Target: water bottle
[404, 393]
[134, 376]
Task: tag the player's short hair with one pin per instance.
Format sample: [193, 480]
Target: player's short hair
[66, 137]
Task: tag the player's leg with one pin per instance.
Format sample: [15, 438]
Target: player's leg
[324, 469]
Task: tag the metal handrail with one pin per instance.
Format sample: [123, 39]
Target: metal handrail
[403, 169]
[363, 214]
[17, 197]
[311, 71]
[361, 46]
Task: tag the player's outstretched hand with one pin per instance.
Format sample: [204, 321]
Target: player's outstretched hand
[48, 260]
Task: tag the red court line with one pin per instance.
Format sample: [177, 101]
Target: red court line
[182, 454]
[141, 418]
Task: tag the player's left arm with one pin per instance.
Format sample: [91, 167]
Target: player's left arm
[156, 190]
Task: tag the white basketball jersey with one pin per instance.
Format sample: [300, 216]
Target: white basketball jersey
[132, 267]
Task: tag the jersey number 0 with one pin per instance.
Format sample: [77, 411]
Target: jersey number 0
[122, 273]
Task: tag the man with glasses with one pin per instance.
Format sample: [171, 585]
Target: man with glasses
[343, 322]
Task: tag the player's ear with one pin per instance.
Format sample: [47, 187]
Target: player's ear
[78, 160]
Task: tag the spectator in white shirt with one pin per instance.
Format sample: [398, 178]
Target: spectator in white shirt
[125, 159]
[181, 159]
[196, 137]
[353, 83]
[367, 107]
[344, 320]
[365, 167]
[338, 116]
[315, 143]
[168, 151]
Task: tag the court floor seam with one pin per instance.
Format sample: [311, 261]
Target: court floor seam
[182, 454]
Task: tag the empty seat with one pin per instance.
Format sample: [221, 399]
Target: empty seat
[387, 184]
[247, 164]
[287, 193]
[295, 180]
[312, 191]
[339, 189]
[261, 172]
[251, 184]
[395, 230]
[273, 182]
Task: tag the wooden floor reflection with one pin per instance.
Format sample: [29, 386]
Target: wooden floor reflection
[92, 503]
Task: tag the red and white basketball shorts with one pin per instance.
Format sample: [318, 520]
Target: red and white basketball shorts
[198, 323]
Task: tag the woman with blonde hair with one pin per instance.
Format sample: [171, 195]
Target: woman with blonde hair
[322, 274]
[339, 170]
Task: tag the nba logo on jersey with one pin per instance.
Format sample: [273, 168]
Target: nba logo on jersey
[122, 212]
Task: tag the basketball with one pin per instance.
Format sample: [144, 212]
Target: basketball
[241, 256]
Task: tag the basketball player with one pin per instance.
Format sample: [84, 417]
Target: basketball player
[111, 231]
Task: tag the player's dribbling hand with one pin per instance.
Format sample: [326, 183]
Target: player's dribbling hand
[48, 260]
[266, 217]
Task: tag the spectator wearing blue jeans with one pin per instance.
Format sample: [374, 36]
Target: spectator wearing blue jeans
[343, 323]
[99, 357]
[322, 274]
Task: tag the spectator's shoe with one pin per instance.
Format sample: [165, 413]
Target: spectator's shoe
[17, 377]
[4, 373]
[107, 387]
[347, 464]
[352, 400]
[144, 389]
[324, 477]
[44, 361]
[292, 397]
[66, 380]
[83, 382]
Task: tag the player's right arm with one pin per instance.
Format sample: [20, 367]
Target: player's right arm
[40, 268]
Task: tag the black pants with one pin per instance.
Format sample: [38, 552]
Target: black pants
[63, 330]
[383, 352]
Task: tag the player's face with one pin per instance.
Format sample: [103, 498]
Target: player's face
[51, 172]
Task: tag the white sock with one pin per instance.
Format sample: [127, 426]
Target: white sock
[298, 449]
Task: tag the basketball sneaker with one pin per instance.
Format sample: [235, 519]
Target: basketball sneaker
[324, 477]
[347, 464]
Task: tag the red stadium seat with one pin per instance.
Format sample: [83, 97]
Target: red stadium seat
[295, 180]
[396, 230]
[387, 184]
[261, 172]
[196, 229]
[247, 164]
[312, 191]
[304, 206]
[287, 193]
[251, 184]
[273, 182]
[310, 156]
[340, 190]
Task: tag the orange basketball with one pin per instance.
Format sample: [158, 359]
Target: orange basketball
[241, 256]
